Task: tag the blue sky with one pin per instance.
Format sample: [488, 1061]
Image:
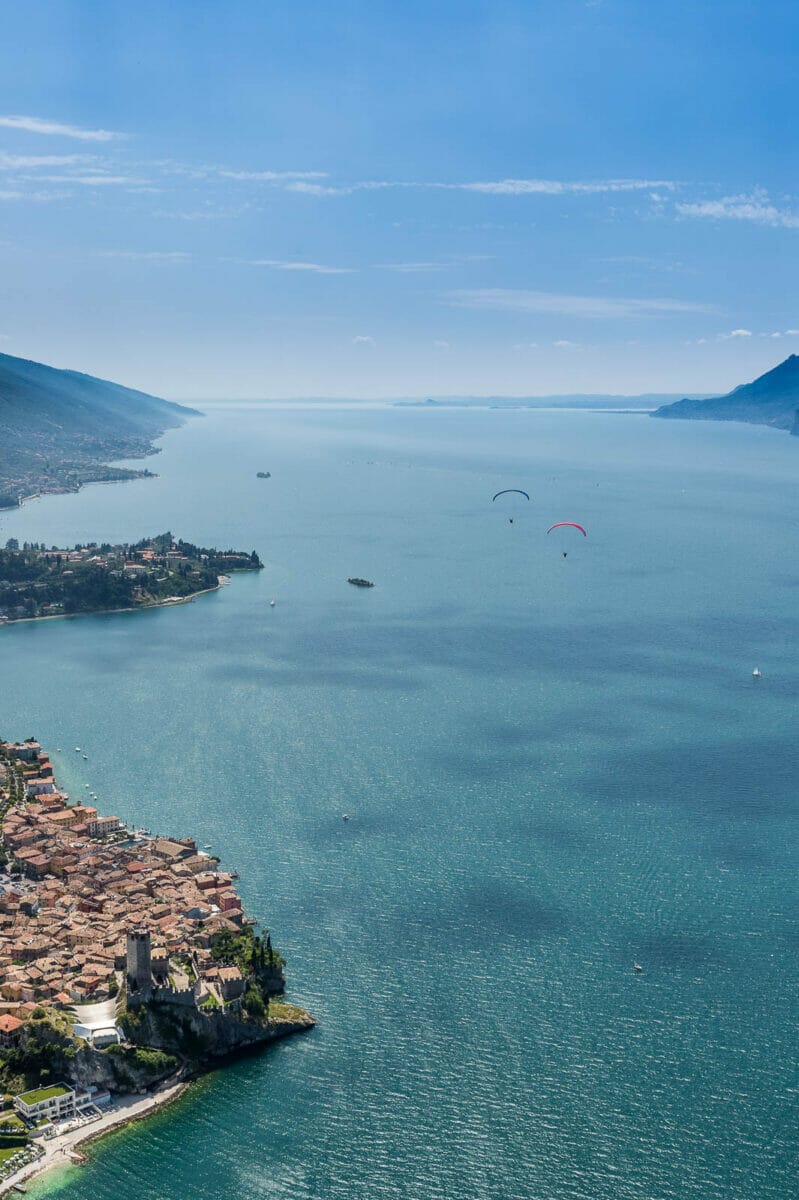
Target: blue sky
[255, 198]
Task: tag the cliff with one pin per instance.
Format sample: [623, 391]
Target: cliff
[771, 399]
[163, 1038]
[199, 1038]
[58, 428]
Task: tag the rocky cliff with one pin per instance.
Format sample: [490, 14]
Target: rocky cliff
[162, 1038]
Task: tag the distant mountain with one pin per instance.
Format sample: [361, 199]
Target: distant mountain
[772, 399]
[58, 429]
[577, 400]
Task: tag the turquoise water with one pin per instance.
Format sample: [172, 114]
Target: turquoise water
[555, 767]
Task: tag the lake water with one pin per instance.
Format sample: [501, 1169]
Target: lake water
[555, 767]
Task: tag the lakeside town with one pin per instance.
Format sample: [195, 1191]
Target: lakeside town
[36, 581]
[126, 961]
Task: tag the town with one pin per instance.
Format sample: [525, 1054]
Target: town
[39, 582]
[103, 927]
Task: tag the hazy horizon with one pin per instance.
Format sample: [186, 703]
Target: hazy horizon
[366, 201]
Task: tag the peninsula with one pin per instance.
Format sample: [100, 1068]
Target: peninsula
[59, 429]
[36, 582]
[126, 963]
[771, 399]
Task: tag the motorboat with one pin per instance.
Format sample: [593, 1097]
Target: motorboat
[756, 673]
[637, 968]
[272, 603]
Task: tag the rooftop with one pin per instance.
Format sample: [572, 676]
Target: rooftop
[45, 1093]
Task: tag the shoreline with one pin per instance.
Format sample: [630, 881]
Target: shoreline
[105, 612]
[63, 1151]
[130, 1107]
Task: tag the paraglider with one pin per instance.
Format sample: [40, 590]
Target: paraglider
[569, 524]
[510, 491]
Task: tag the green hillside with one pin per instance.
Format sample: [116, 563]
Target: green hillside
[59, 429]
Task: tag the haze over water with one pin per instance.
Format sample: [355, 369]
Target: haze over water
[555, 767]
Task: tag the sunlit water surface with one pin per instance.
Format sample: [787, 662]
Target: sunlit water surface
[555, 767]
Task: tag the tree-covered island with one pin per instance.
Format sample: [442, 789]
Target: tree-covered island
[40, 582]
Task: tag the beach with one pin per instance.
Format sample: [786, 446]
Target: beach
[58, 1151]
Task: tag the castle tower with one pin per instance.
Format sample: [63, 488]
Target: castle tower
[139, 964]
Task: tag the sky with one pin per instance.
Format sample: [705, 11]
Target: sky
[371, 198]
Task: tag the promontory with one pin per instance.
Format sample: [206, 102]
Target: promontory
[59, 429]
[125, 961]
[771, 399]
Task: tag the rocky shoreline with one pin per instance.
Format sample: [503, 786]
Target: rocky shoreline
[131, 1107]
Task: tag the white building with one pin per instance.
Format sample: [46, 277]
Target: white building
[55, 1103]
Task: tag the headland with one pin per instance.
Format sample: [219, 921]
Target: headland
[36, 582]
[127, 965]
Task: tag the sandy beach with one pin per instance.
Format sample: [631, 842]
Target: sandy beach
[64, 1149]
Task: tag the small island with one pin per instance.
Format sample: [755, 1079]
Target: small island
[362, 583]
[127, 965]
[263, 475]
[36, 582]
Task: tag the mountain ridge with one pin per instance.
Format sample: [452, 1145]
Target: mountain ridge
[771, 399]
[59, 428]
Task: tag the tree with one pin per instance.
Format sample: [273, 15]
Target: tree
[254, 1003]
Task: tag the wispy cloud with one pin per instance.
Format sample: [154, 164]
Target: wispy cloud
[735, 333]
[277, 264]
[411, 268]
[554, 303]
[494, 187]
[27, 162]
[164, 256]
[441, 344]
[57, 129]
[565, 344]
[34, 197]
[755, 207]
[559, 187]
[92, 180]
[363, 339]
[269, 176]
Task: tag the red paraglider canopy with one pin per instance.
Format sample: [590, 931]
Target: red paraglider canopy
[571, 524]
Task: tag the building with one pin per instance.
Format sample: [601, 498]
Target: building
[139, 959]
[9, 1031]
[100, 827]
[56, 1103]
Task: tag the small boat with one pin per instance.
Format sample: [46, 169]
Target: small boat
[272, 603]
[207, 846]
[345, 816]
[77, 749]
[637, 967]
[86, 757]
[756, 673]
[85, 785]
[58, 749]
